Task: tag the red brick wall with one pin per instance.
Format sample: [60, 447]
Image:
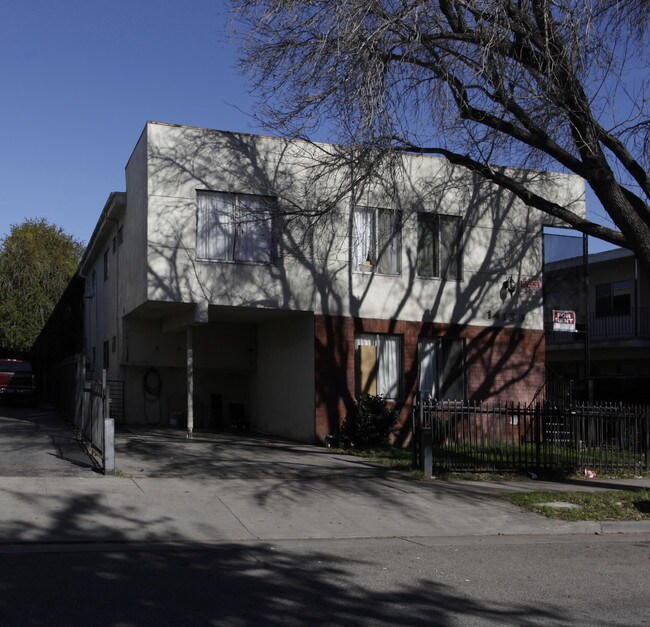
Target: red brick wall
[502, 363]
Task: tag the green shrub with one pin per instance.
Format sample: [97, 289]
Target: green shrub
[369, 422]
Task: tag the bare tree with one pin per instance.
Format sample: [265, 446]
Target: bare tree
[549, 84]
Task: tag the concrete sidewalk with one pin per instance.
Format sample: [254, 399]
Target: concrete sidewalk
[175, 510]
[233, 488]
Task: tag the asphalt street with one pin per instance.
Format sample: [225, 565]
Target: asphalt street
[568, 580]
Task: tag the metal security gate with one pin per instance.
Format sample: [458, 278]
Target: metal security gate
[95, 423]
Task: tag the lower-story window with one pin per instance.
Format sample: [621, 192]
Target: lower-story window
[379, 364]
[442, 368]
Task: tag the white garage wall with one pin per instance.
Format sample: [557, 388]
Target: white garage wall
[282, 391]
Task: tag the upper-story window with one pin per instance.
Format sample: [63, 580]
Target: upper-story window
[439, 246]
[614, 299]
[106, 265]
[234, 227]
[376, 240]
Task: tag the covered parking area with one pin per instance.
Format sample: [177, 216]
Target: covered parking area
[219, 368]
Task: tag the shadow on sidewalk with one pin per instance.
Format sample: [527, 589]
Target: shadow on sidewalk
[230, 584]
[37, 442]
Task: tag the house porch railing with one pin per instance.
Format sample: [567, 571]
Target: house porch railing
[636, 324]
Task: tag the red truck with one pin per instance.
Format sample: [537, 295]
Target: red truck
[17, 380]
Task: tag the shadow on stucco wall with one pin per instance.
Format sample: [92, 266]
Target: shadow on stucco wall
[316, 187]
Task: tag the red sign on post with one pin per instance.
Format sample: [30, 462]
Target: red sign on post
[564, 320]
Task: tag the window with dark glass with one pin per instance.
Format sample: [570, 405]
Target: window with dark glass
[614, 299]
[93, 283]
[442, 368]
[439, 251]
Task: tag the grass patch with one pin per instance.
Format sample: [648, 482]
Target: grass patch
[492, 475]
[598, 505]
[391, 457]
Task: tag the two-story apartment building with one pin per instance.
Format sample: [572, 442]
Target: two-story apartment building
[242, 277]
[616, 320]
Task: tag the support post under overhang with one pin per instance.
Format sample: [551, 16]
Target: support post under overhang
[190, 380]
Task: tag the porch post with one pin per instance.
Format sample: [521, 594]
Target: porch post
[190, 381]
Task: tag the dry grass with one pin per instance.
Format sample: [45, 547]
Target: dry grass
[600, 505]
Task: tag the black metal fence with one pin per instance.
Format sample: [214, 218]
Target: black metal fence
[482, 437]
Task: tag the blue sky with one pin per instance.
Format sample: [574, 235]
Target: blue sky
[80, 78]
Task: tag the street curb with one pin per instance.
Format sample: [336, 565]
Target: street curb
[625, 526]
[580, 528]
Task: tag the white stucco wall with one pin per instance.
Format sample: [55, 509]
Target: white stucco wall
[282, 389]
[134, 285]
[502, 237]
[102, 307]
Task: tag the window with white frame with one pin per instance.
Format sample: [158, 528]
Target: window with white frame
[234, 227]
[376, 240]
[379, 364]
[439, 246]
[442, 368]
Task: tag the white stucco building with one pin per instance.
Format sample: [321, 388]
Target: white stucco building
[242, 277]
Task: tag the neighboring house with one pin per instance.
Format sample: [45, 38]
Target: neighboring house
[242, 278]
[617, 321]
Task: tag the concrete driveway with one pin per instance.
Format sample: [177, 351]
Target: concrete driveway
[151, 452]
[37, 442]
